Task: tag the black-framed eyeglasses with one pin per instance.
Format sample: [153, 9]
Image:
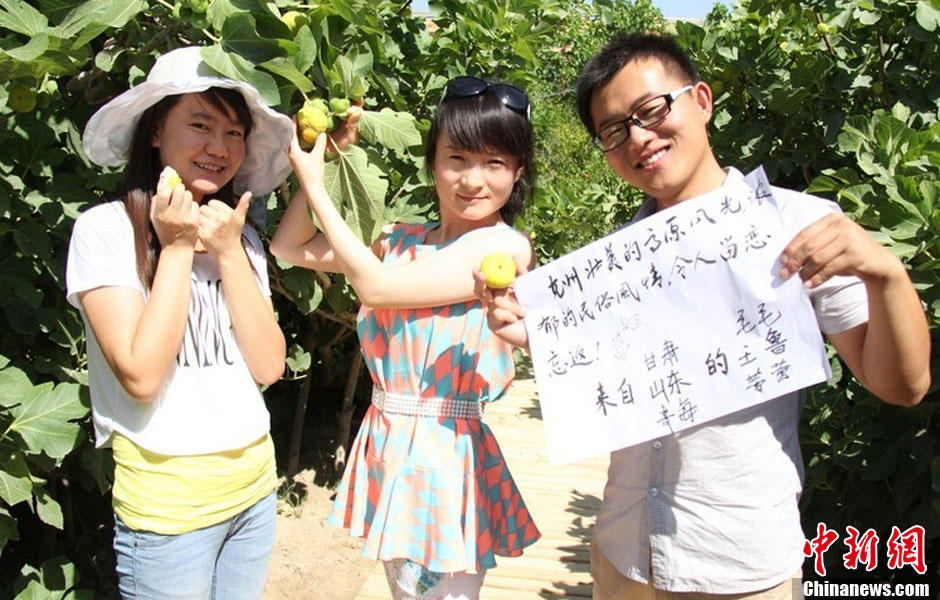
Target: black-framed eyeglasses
[466, 86]
[649, 114]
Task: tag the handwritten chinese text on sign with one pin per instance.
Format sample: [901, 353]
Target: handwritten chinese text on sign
[666, 324]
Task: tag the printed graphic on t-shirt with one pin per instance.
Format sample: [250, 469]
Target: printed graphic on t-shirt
[208, 340]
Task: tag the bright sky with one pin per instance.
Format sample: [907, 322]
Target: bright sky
[689, 9]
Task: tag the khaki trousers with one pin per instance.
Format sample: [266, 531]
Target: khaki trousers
[611, 584]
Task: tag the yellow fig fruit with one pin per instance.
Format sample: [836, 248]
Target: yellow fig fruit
[499, 268]
[304, 116]
[169, 179]
[309, 135]
[311, 118]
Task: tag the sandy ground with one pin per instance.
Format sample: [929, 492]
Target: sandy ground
[313, 560]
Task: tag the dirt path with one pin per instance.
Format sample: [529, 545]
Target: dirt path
[313, 560]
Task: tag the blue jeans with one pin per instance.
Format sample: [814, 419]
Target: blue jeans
[228, 560]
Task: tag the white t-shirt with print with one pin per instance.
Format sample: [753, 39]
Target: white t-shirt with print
[209, 402]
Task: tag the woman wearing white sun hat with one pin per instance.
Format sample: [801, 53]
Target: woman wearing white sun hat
[172, 286]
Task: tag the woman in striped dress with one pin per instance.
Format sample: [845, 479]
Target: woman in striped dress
[426, 485]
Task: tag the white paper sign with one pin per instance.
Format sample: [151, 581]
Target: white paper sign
[668, 323]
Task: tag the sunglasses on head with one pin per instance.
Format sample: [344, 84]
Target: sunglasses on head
[466, 86]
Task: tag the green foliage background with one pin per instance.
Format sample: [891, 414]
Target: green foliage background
[847, 109]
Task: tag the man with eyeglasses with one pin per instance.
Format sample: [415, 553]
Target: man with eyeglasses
[711, 512]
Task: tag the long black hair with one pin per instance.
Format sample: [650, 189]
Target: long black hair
[483, 123]
[144, 167]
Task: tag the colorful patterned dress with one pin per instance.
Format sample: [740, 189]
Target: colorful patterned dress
[434, 490]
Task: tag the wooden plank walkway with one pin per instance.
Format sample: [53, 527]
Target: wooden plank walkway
[563, 501]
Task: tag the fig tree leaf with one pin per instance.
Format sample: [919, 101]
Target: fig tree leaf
[56, 10]
[338, 297]
[344, 9]
[392, 129]
[298, 359]
[285, 68]
[351, 67]
[94, 17]
[220, 11]
[48, 510]
[22, 18]
[15, 387]
[235, 67]
[15, 483]
[524, 49]
[32, 50]
[306, 289]
[7, 528]
[58, 59]
[239, 35]
[307, 55]
[927, 15]
[29, 587]
[45, 420]
[60, 574]
[357, 184]
[32, 239]
[99, 464]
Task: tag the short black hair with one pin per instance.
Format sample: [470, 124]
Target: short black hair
[623, 48]
[483, 123]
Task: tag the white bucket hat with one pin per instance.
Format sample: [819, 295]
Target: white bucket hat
[107, 137]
